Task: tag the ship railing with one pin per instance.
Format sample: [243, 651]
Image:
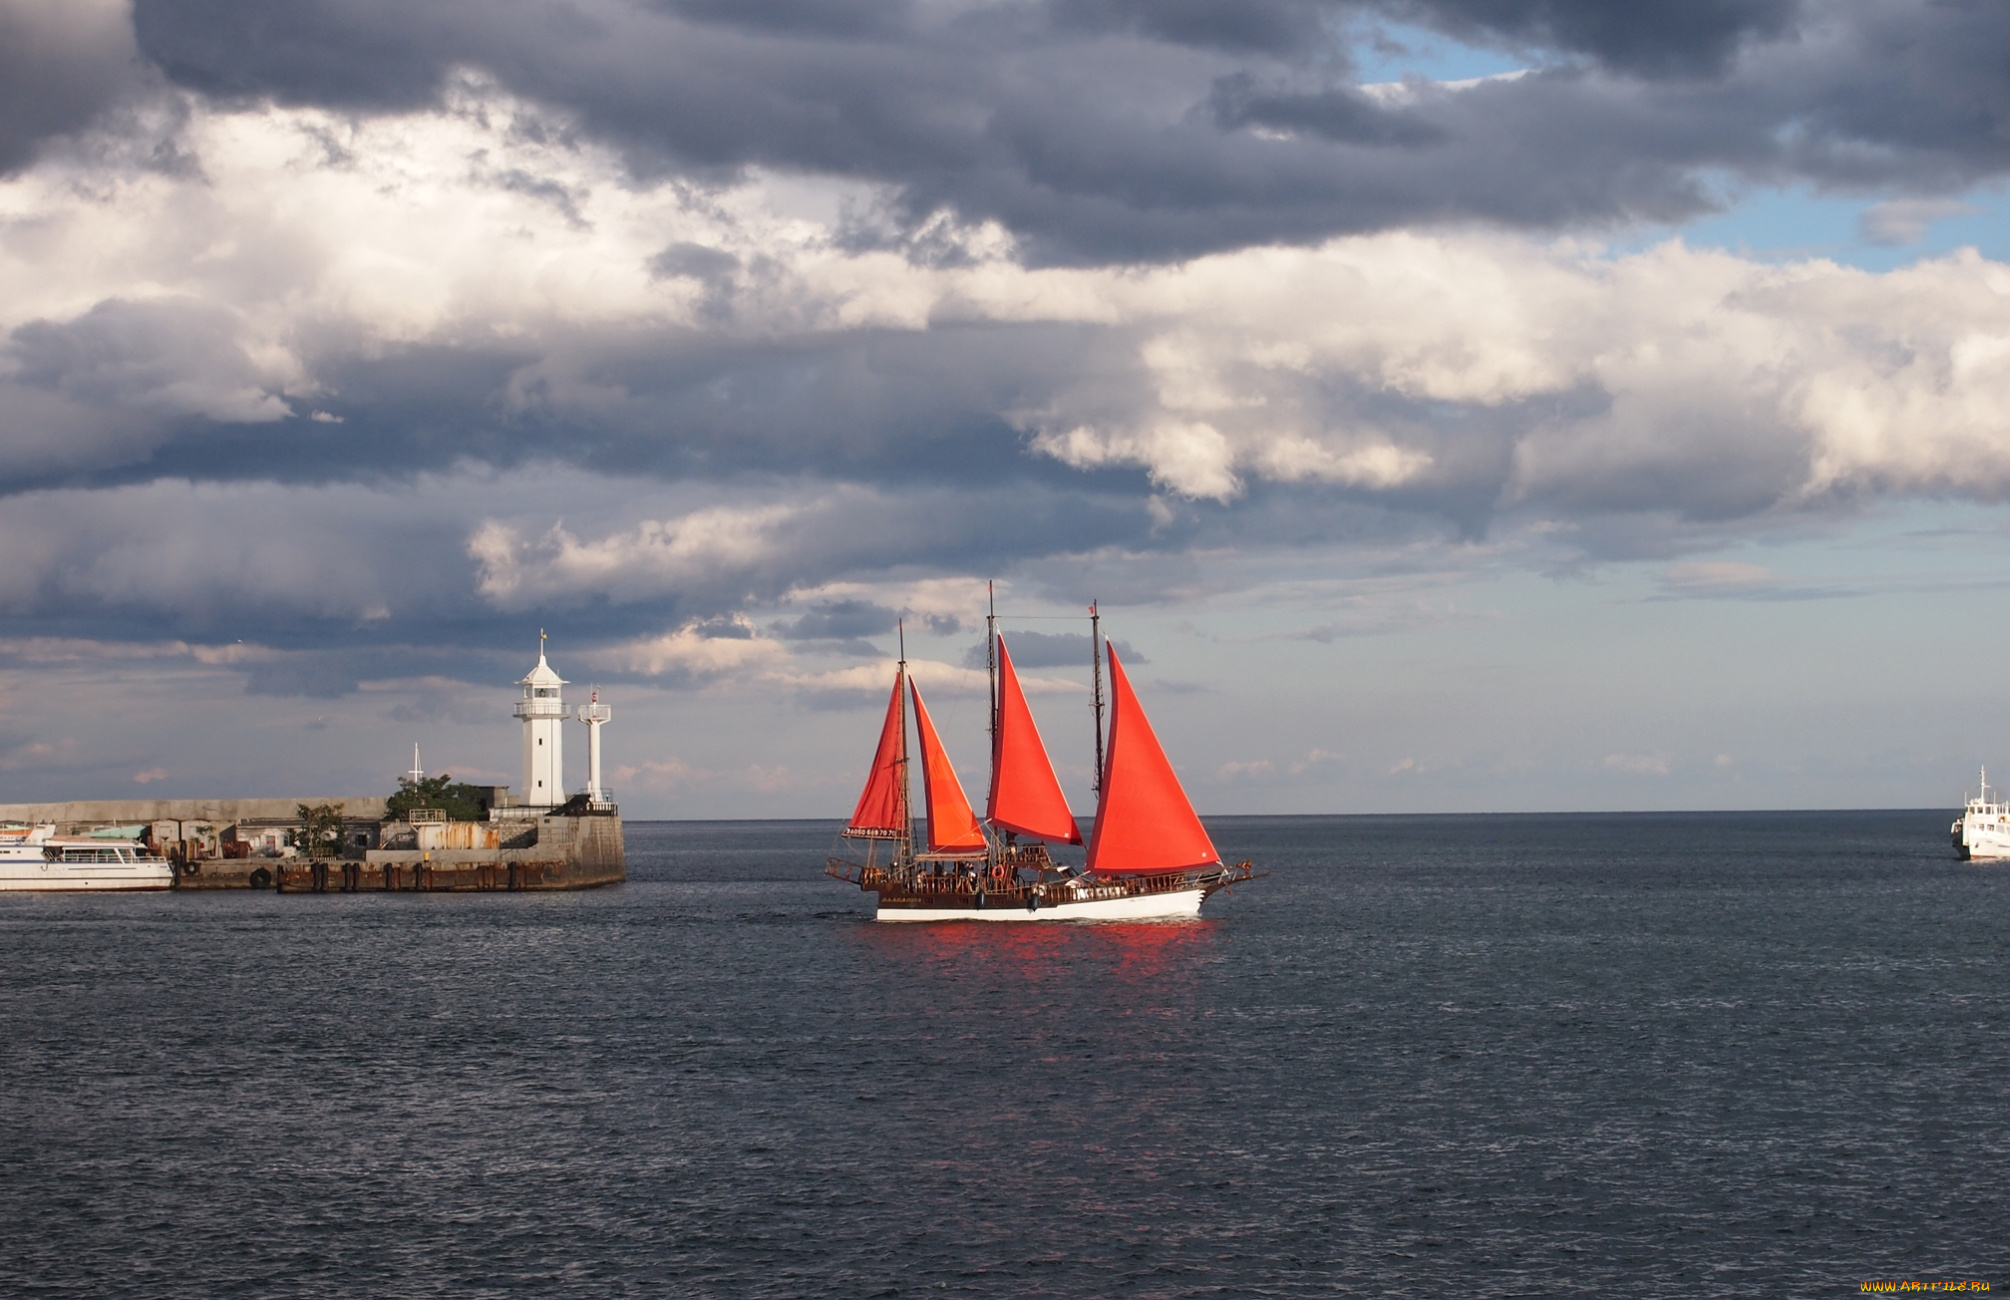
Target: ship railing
[1084, 889]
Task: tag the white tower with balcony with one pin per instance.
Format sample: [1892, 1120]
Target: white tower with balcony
[543, 713]
[594, 715]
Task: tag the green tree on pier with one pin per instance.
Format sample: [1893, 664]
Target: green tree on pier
[319, 834]
[458, 800]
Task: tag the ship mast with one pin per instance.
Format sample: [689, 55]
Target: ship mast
[1096, 694]
[906, 849]
[991, 664]
[991, 667]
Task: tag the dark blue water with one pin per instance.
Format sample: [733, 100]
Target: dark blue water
[1650, 1055]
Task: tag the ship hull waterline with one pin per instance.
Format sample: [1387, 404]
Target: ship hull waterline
[1179, 905]
[17, 879]
[1175, 896]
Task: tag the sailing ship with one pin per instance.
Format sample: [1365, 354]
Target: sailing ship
[1148, 856]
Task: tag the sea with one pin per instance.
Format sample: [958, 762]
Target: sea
[1736, 1054]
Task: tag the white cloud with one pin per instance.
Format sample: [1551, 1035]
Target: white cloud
[1674, 378]
[936, 678]
[1636, 764]
[1315, 757]
[1819, 378]
[948, 604]
[1191, 458]
[1402, 94]
[657, 557]
[696, 652]
[1503, 374]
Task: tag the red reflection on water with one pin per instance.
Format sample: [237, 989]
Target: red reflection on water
[1127, 951]
[1147, 951]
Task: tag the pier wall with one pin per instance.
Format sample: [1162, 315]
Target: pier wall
[569, 852]
[579, 851]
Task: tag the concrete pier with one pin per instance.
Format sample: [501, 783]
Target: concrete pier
[556, 852]
[568, 850]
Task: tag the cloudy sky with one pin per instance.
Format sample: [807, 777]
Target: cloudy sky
[1455, 404]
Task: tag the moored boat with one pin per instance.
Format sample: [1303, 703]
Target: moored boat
[1148, 856]
[34, 859]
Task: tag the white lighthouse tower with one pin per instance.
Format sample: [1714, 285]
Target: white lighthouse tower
[543, 713]
[594, 715]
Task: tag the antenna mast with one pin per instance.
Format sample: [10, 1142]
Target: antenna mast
[1096, 695]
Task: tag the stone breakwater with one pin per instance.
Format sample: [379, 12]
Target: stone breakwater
[560, 850]
[556, 852]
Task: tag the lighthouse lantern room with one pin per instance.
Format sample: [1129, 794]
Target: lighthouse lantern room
[544, 715]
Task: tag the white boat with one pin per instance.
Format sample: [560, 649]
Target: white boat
[1148, 858]
[1984, 828]
[34, 859]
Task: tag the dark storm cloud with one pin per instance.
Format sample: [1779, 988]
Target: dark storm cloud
[1118, 130]
[165, 389]
[838, 620]
[61, 65]
[1345, 116]
[178, 356]
[861, 406]
[338, 585]
[1649, 36]
[1653, 37]
[1285, 28]
[324, 673]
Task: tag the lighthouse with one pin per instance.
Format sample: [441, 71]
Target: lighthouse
[594, 715]
[544, 714]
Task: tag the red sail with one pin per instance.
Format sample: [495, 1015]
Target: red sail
[882, 808]
[1025, 795]
[952, 827]
[1144, 822]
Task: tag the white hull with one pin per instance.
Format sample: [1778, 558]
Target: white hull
[66, 877]
[1983, 833]
[1984, 839]
[34, 860]
[1177, 905]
